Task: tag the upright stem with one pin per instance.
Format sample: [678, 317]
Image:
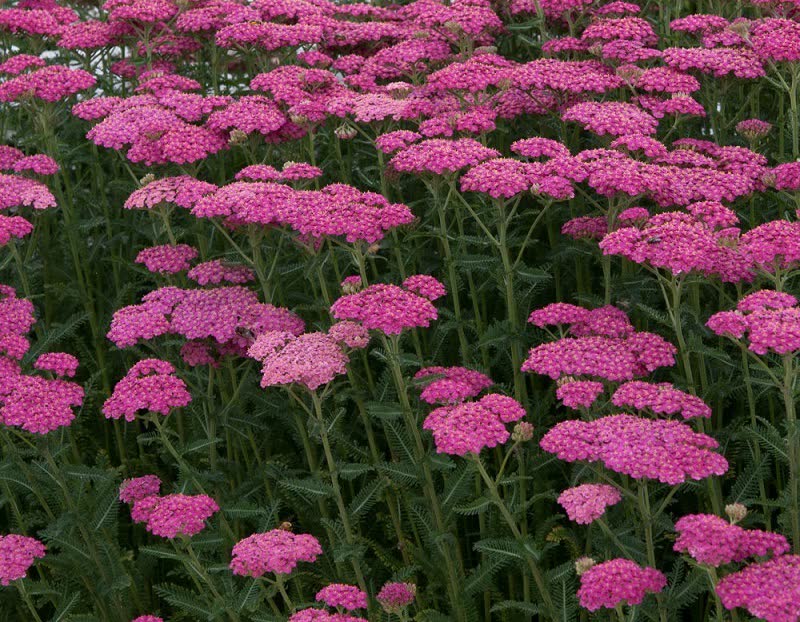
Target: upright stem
[792, 446]
[333, 470]
[536, 572]
[392, 346]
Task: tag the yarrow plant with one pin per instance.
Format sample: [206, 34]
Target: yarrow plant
[265, 269]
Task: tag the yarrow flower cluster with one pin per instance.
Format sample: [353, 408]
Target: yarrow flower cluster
[586, 503]
[389, 308]
[769, 320]
[664, 450]
[17, 554]
[277, 551]
[451, 385]
[767, 590]
[340, 595]
[712, 540]
[151, 385]
[394, 597]
[618, 582]
[174, 515]
[469, 427]
[311, 360]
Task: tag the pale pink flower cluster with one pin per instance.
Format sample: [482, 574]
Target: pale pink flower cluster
[469, 427]
[275, 551]
[221, 317]
[311, 360]
[586, 503]
[218, 271]
[713, 541]
[618, 582]
[394, 597]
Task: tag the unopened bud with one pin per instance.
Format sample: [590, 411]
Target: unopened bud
[523, 432]
[582, 564]
[345, 132]
[237, 137]
[147, 179]
[736, 512]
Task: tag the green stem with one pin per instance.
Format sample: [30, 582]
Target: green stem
[533, 566]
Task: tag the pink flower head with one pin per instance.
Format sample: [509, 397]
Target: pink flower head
[40, 164]
[586, 227]
[440, 157]
[275, 551]
[454, 384]
[588, 502]
[167, 259]
[713, 541]
[50, 84]
[394, 141]
[387, 308]
[394, 597]
[15, 65]
[60, 363]
[183, 191]
[618, 582]
[753, 129]
[660, 398]
[17, 554]
[426, 286]
[148, 618]
[772, 245]
[311, 360]
[767, 590]
[558, 313]
[174, 515]
[351, 334]
[614, 118]
[38, 405]
[132, 490]
[665, 450]
[766, 318]
[151, 386]
[341, 595]
[680, 243]
[18, 191]
[538, 147]
[470, 426]
[579, 393]
[609, 358]
[218, 271]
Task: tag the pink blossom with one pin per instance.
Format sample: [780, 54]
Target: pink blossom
[275, 551]
[618, 582]
[393, 597]
[341, 595]
[712, 540]
[579, 393]
[586, 503]
[660, 398]
[665, 450]
[766, 590]
[17, 554]
[132, 490]
[453, 384]
[217, 271]
[151, 386]
[174, 515]
[60, 363]
[469, 427]
[167, 259]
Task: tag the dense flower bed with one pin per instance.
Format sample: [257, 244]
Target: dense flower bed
[266, 269]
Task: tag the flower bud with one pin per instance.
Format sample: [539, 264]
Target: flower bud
[582, 564]
[523, 432]
[736, 512]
